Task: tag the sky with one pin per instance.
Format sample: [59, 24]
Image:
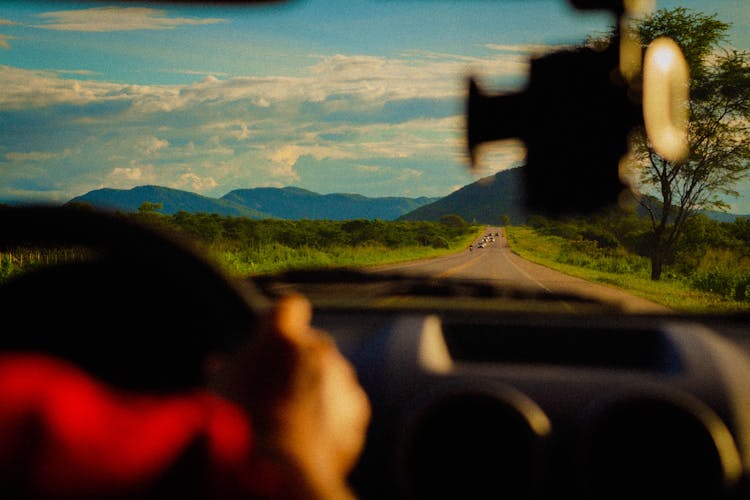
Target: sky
[355, 96]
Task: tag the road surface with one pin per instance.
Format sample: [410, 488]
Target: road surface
[497, 263]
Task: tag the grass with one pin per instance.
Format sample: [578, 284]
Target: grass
[20, 260]
[274, 257]
[672, 292]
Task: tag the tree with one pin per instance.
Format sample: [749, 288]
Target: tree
[718, 132]
[149, 207]
[505, 220]
[454, 221]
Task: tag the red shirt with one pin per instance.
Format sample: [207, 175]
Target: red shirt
[64, 434]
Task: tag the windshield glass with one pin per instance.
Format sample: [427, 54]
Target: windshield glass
[332, 133]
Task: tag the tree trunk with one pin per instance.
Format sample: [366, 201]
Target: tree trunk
[657, 260]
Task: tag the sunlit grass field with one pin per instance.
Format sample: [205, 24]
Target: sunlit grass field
[273, 257]
[622, 270]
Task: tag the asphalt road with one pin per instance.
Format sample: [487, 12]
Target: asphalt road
[497, 263]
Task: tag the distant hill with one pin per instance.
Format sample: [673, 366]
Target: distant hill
[484, 201]
[716, 215]
[297, 203]
[256, 203]
[723, 216]
[488, 199]
[172, 200]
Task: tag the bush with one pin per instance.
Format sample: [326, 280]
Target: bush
[742, 289]
[727, 283]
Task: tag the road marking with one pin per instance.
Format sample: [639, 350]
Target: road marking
[565, 304]
[454, 270]
[527, 275]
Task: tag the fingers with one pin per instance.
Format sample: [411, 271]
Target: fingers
[303, 393]
[291, 318]
[291, 322]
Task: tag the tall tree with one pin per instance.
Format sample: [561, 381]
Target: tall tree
[718, 131]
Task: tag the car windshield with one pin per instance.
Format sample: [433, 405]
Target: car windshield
[320, 135]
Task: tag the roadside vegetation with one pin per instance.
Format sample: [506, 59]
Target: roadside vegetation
[244, 247]
[708, 271]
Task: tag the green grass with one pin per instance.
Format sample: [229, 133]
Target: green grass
[274, 257]
[675, 293]
[20, 260]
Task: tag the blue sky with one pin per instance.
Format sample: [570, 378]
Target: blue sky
[359, 96]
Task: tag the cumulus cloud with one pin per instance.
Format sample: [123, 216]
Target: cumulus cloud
[289, 154]
[501, 155]
[194, 182]
[364, 113]
[236, 129]
[119, 175]
[104, 19]
[150, 145]
[24, 88]
[337, 83]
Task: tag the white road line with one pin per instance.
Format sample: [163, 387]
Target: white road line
[524, 272]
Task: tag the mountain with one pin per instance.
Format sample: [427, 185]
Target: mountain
[257, 203]
[488, 199]
[484, 201]
[297, 203]
[172, 200]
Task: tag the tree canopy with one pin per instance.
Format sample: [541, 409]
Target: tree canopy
[718, 132]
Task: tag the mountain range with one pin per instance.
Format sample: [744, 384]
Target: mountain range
[256, 203]
[485, 201]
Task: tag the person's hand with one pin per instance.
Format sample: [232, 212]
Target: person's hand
[309, 412]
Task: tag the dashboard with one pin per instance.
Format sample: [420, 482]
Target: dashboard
[467, 403]
[540, 406]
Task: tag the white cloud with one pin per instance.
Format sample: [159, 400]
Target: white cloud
[194, 182]
[236, 129]
[79, 72]
[356, 80]
[213, 74]
[34, 88]
[284, 159]
[501, 155]
[285, 172]
[408, 174]
[104, 19]
[120, 174]
[218, 131]
[289, 154]
[150, 145]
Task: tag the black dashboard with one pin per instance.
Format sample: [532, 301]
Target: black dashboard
[545, 406]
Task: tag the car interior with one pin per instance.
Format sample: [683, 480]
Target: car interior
[478, 390]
